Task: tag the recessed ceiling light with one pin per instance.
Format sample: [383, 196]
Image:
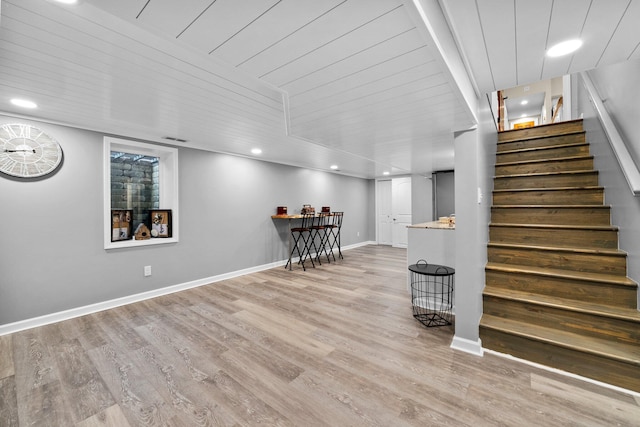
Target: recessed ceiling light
[24, 103]
[524, 102]
[67, 1]
[334, 167]
[524, 115]
[564, 48]
[256, 151]
[385, 173]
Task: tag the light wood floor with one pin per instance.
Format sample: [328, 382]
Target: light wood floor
[335, 346]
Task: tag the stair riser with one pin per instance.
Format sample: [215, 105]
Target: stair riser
[576, 138]
[593, 263]
[550, 197]
[564, 325]
[543, 154]
[578, 164]
[566, 238]
[538, 131]
[582, 323]
[591, 366]
[546, 181]
[551, 216]
[587, 291]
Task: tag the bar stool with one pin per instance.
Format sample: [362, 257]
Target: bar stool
[302, 233]
[319, 228]
[333, 235]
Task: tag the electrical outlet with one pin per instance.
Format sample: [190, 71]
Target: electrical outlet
[147, 270]
[358, 234]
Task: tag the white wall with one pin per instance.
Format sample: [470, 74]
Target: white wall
[474, 166]
[619, 87]
[51, 251]
[551, 88]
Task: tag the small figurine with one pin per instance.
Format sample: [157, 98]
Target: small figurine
[142, 232]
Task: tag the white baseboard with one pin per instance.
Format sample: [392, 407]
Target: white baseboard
[468, 346]
[561, 372]
[48, 319]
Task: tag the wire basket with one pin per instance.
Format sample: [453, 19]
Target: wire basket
[432, 293]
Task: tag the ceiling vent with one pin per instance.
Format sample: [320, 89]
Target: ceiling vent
[171, 138]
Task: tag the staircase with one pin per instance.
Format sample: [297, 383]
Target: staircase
[556, 290]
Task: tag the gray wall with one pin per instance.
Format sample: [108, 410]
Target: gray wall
[421, 199]
[625, 208]
[51, 250]
[445, 192]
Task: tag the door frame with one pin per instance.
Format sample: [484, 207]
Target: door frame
[377, 206]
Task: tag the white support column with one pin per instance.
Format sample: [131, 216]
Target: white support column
[474, 169]
[469, 249]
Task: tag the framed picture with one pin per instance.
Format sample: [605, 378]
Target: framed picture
[121, 224]
[160, 222]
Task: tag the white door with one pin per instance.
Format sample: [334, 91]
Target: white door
[384, 211]
[401, 211]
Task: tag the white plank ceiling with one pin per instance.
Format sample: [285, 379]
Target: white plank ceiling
[356, 83]
[504, 41]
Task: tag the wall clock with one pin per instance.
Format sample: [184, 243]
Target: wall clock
[27, 151]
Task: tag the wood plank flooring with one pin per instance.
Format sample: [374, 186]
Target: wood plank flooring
[333, 346]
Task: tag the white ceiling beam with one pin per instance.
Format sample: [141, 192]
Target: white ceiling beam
[431, 22]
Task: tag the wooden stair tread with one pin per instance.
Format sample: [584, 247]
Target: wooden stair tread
[559, 159]
[556, 226]
[556, 173]
[588, 187]
[544, 127]
[611, 279]
[554, 206]
[548, 147]
[600, 251]
[621, 352]
[548, 136]
[622, 313]
[528, 138]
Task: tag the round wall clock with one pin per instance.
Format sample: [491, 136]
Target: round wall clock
[27, 152]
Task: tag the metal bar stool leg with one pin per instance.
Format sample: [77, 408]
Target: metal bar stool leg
[334, 231]
[319, 228]
[306, 249]
[301, 237]
[339, 246]
[315, 231]
[296, 237]
[324, 242]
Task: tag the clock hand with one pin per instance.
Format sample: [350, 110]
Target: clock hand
[19, 151]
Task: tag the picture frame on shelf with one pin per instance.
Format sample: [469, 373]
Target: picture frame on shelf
[160, 222]
[121, 224]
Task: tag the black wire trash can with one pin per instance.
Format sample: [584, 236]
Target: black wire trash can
[432, 293]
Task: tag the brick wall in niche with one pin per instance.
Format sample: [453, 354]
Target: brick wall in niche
[134, 185]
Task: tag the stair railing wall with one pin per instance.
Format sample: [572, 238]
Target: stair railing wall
[627, 164]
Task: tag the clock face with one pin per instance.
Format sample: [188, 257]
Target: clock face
[27, 152]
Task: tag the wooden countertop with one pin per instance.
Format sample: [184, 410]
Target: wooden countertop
[286, 216]
[296, 216]
[434, 225]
